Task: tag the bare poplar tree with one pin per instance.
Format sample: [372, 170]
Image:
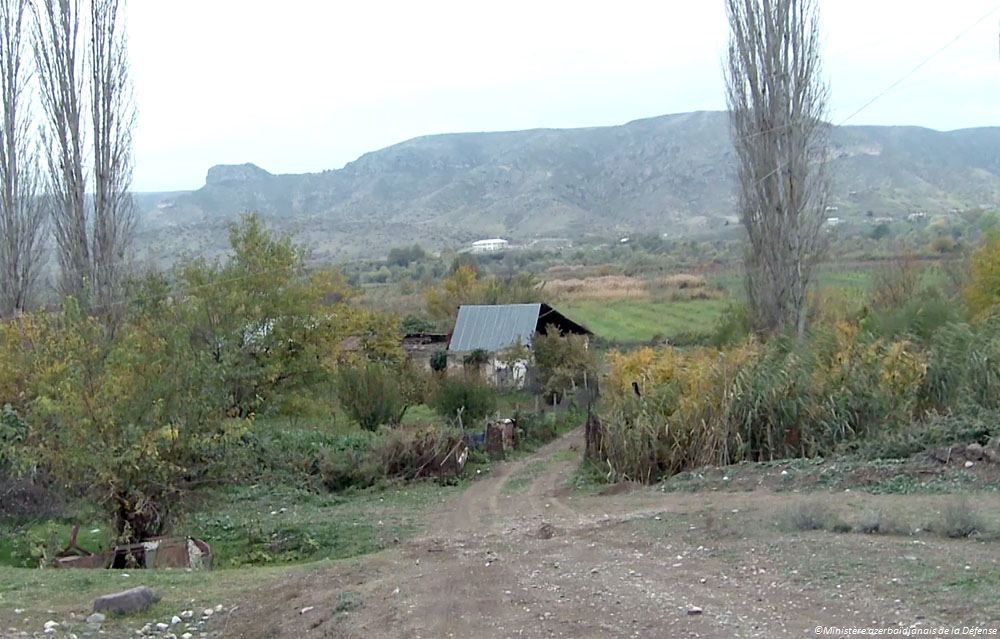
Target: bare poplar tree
[60, 79]
[93, 235]
[21, 216]
[113, 116]
[777, 102]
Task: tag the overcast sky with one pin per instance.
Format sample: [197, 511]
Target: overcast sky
[307, 85]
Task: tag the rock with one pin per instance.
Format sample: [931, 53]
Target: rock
[307, 609]
[127, 602]
[546, 531]
[186, 635]
[969, 464]
[162, 627]
[50, 626]
[694, 610]
[96, 619]
[208, 612]
[187, 614]
[175, 620]
[974, 452]
[218, 608]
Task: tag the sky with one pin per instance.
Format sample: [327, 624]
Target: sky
[308, 85]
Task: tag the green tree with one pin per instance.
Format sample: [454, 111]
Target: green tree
[983, 291]
[132, 420]
[268, 326]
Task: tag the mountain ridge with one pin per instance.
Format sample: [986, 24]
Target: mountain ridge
[666, 174]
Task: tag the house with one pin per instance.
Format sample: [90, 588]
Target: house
[490, 246]
[494, 329]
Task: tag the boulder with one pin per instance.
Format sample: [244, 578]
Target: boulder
[127, 602]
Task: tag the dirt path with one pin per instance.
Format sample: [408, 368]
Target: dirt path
[518, 555]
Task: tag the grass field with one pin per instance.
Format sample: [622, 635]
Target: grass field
[643, 320]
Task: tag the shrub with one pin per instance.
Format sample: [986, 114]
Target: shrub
[958, 520]
[371, 394]
[439, 361]
[814, 515]
[473, 397]
[349, 463]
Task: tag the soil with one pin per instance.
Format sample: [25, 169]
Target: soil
[545, 561]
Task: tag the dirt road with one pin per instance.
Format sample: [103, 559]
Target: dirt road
[519, 555]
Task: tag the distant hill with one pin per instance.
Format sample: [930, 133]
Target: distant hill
[670, 174]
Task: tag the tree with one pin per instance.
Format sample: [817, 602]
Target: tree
[464, 286]
[92, 236]
[269, 327]
[982, 295]
[21, 216]
[777, 102]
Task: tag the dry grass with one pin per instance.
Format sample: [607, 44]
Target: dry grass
[676, 287]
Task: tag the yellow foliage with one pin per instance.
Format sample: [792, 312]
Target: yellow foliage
[982, 295]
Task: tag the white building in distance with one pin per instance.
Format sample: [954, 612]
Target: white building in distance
[490, 246]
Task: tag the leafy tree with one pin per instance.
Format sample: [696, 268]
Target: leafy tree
[132, 421]
[562, 361]
[465, 287]
[983, 291]
[268, 326]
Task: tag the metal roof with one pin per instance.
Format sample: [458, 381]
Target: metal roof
[494, 328]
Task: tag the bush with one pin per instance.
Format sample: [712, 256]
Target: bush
[474, 398]
[439, 361]
[959, 520]
[814, 515]
[371, 394]
[349, 463]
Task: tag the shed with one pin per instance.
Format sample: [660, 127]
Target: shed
[494, 328]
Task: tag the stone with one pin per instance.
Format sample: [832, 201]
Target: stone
[187, 614]
[186, 635]
[175, 620]
[96, 619]
[974, 452]
[162, 627]
[694, 610]
[127, 602]
[208, 612]
[50, 626]
[218, 608]
[969, 464]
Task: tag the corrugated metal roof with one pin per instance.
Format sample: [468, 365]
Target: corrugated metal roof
[494, 328]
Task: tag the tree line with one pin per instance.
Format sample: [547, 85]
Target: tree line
[65, 166]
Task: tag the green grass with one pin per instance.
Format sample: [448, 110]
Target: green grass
[262, 525]
[630, 321]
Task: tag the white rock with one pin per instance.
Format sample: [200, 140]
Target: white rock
[175, 620]
[218, 608]
[96, 619]
[208, 612]
[186, 635]
[162, 627]
[784, 472]
[694, 610]
[50, 625]
[187, 614]
[306, 609]
[969, 464]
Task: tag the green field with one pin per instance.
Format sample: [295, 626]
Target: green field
[643, 320]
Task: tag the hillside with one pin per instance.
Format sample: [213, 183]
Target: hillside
[670, 174]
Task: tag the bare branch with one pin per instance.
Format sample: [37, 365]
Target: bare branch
[777, 103]
[21, 216]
